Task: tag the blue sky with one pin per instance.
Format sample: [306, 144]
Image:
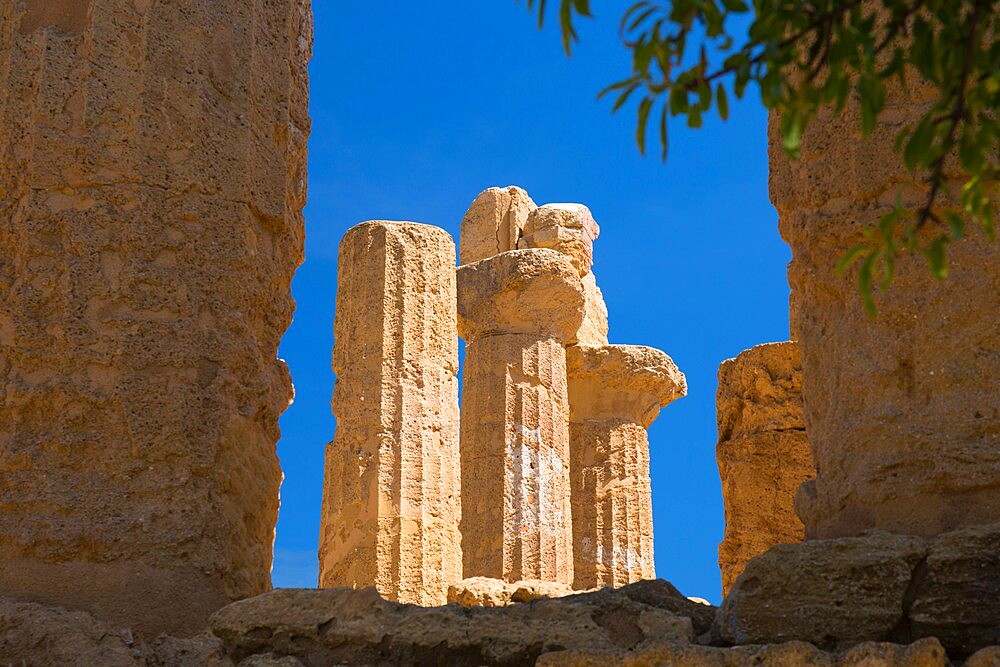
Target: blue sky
[417, 107]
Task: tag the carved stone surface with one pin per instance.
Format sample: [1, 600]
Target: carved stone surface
[615, 393]
[763, 453]
[903, 411]
[152, 179]
[594, 329]
[391, 502]
[515, 311]
[567, 228]
[494, 223]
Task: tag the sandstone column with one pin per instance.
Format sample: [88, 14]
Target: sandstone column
[516, 312]
[494, 223]
[391, 500]
[152, 179]
[903, 412]
[763, 453]
[615, 393]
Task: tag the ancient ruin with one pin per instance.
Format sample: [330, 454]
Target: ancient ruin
[152, 182]
[763, 453]
[151, 195]
[391, 503]
[615, 393]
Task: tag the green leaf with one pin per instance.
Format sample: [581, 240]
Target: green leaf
[850, 257]
[640, 133]
[936, 257]
[722, 102]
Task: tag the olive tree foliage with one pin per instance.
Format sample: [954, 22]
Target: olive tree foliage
[803, 55]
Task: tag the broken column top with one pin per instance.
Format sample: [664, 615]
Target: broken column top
[494, 223]
[568, 228]
[533, 291]
[621, 380]
[372, 227]
[761, 390]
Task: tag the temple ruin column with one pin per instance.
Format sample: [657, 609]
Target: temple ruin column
[763, 453]
[615, 393]
[494, 223]
[391, 498]
[516, 312]
[902, 411]
[152, 179]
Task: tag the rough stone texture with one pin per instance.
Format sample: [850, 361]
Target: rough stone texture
[615, 393]
[567, 228]
[486, 592]
[763, 453]
[828, 592]
[342, 626]
[903, 412]
[957, 592]
[391, 502]
[152, 178]
[925, 653]
[594, 329]
[987, 657]
[515, 311]
[494, 223]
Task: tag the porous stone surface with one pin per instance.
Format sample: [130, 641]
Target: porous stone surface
[391, 501]
[925, 653]
[535, 292]
[903, 411]
[515, 311]
[830, 593]
[763, 453]
[486, 592]
[567, 228]
[152, 179]
[494, 223]
[594, 329]
[615, 392]
[343, 626]
[956, 593]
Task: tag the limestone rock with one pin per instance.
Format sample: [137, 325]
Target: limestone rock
[494, 223]
[987, 657]
[486, 592]
[829, 592]
[763, 453]
[535, 292]
[660, 594]
[391, 503]
[31, 634]
[925, 653]
[594, 329]
[516, 521]
[615, 392]
[567, 228]
[903, 411]
[957, 591]
[152, 179]
[631, 380]
[343, 626]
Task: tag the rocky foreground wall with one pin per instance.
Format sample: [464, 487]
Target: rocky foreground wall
[152, 178]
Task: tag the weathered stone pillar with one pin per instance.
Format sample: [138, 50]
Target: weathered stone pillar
[763, 453]
[391, 501]
[615, 393]
[152, 179]
[903, 412]
[494, 223]
[516, 312]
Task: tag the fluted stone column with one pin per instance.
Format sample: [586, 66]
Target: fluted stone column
[615, 393]
[391, 500]
[516, 312]
[152, 179]
[903, 411]
[763, 453]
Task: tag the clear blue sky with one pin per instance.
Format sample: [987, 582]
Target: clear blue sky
[417, 107]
